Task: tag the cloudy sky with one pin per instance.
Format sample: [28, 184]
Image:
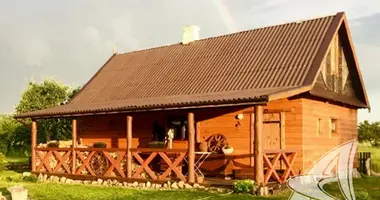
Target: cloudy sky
[70, 40]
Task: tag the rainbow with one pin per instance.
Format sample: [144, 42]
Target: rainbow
[226, 15]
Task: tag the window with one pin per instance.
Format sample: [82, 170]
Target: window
[319, 123]
[179, 127]
[333, 127]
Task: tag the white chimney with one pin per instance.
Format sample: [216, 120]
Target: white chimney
[190, 34]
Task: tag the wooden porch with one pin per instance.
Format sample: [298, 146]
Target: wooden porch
[157, 164]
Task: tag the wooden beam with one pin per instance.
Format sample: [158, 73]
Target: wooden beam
[271, 110]
[74, 145]
[259, 160]
[129, 146]
[282, 130]
[191, 147]
[252, 139]
[34, 144]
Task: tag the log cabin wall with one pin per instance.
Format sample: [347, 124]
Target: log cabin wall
[318, 137]
[111, 130]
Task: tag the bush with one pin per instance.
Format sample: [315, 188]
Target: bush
[16, 178]
[362, 195]
[244, 186]
[32, 178]
[375, 165]
[3, 162]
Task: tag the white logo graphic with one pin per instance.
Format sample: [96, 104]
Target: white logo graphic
[335, 166]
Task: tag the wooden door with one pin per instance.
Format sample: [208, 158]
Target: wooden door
[272, 131]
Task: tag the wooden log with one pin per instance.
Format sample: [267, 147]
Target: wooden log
[259, 160]
[191, 147]
[74, 145]
[34, 144]
[129, 146]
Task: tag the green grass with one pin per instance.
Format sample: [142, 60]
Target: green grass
[17, 159]
[369, 184]
[45, 191]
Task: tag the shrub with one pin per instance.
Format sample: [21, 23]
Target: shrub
[32, 178]
[3, 162]
[375, 165]
[362, 195]
[16, 178]
[244, 186]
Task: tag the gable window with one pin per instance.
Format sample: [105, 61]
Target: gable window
[334, 125]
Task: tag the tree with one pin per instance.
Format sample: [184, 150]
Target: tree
[48, 93]
[13, 136]
[369, 132]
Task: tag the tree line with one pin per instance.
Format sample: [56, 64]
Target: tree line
[15, 134]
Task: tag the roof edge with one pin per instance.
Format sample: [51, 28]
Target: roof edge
[261, 100]
[289, 93]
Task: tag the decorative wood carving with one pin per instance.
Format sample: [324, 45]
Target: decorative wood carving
[217, 142]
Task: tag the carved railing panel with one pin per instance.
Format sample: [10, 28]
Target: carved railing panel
[101, 162]
[53, 160]
[173, 158]
[272, 160]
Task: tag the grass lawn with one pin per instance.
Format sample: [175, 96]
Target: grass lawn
[45, 191]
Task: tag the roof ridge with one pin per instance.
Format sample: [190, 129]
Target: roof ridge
[230, 34]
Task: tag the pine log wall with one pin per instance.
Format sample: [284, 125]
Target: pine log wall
[317, 144]
[301, 117]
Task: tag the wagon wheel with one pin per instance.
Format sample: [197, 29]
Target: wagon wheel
[217, 142]
[99, 164]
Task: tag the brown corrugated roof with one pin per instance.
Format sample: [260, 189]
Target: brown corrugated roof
[241, 67]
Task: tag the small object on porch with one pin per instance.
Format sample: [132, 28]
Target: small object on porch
[156, 144]
[99, 145]
[53, 144]
[228, 149]
[170, 138]
[203, 146]
[18, 192]
[217, 142]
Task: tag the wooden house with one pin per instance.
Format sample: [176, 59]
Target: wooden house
[280, 96]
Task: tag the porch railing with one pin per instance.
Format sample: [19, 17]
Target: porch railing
[147, 163]
[111, 162]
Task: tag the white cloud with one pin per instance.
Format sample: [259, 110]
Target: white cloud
[123, 34]
[32, 51]
[277, 11]
[91, 34]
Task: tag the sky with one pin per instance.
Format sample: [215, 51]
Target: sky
[70, 40]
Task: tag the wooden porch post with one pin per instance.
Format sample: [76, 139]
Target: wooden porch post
[129, 146]
[252, 140]
[74, 145]
[259, 160]
[191, 147]
[34, 143]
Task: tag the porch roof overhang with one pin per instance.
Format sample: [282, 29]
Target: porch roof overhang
[219, 99]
